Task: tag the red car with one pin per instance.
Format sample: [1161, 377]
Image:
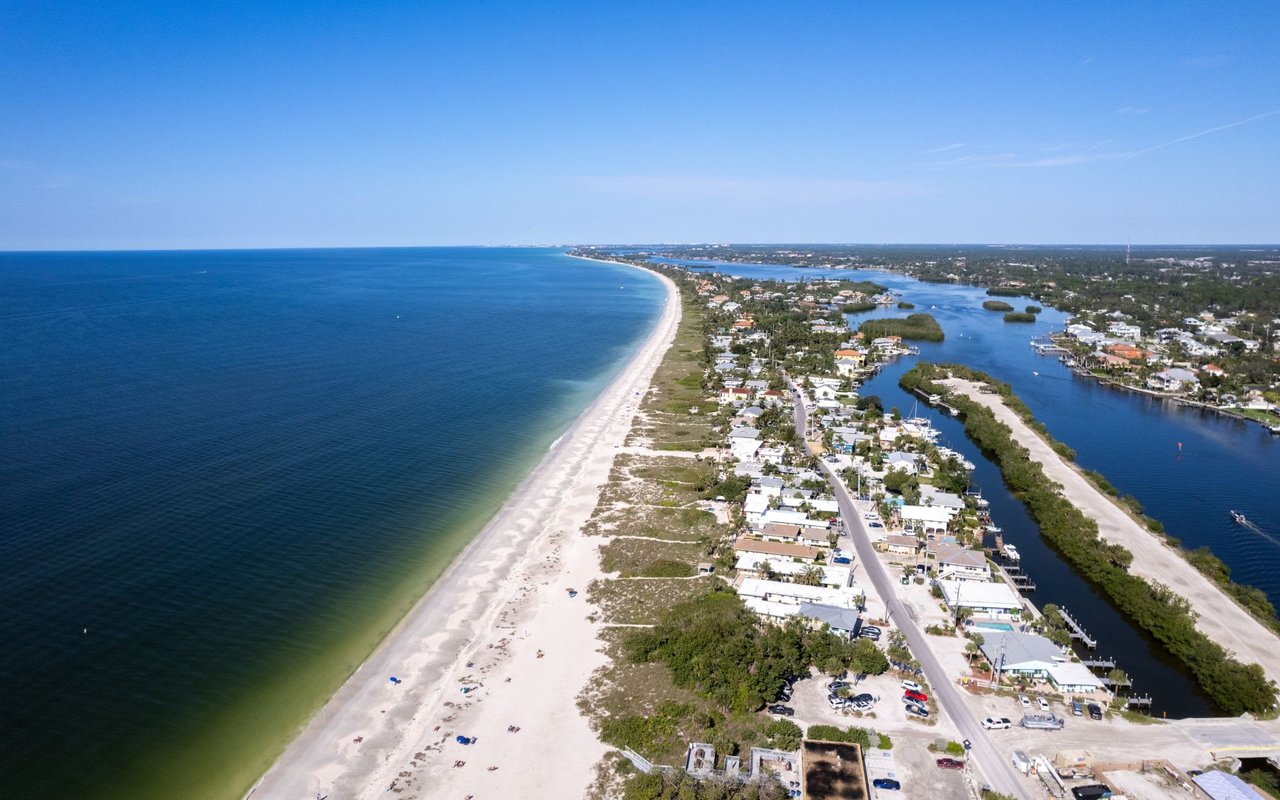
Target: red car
[950, 763]
[914, 696]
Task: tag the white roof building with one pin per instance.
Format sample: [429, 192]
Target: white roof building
[835, 577]
[997, 600]
[928, 518]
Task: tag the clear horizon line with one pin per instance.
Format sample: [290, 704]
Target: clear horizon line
[543, 246]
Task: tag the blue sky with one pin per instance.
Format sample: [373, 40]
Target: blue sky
[259, 124]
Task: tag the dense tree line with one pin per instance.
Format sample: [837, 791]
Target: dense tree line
[1234, 686]
[922, 327]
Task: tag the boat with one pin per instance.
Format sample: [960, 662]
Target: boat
[1011, 553]
[1240, 519]
[1274, 429]
[994, 529]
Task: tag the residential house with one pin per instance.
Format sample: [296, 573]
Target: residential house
[959, 563]
[781, 549]
[1174, 379]
[743, 443]
[997, 601]
[926, 519]
[1035, 657]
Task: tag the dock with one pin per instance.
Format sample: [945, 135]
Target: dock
[1099, 663]
[1140, 702]
[1076, 631]
[935, 400]
[1023, 583]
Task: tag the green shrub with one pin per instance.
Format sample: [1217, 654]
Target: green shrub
[996, 305]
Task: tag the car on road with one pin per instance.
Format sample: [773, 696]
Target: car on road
[915, 697]
[997, 723]
[917, 710]
[1024, 700]
[886, 783]
[950, 763]
[1095, 711]
[1044, 705]
[912, 686]
[781, 710]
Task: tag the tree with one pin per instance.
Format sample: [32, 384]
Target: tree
[868, 659]
[811, 576]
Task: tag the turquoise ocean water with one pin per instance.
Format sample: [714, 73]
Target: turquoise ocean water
[224, 475]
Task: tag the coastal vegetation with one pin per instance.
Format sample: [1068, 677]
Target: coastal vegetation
[922, 327]
[903, 304]
[717, 648]
[1004, 291]
[1019, 316]
[1235, 687]
[1033, 309]
[996, 305]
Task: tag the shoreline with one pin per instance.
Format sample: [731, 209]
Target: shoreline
[497, 623]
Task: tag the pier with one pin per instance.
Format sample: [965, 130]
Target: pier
[1076, 631]
[1022, 583]
[1138, 702]
[1099, 663]
[935, 400]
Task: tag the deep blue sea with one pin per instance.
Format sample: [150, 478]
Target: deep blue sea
[224, 475]
[1186, 466]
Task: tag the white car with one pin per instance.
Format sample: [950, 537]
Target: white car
[997, 723]
[1024, 700]
[1044, 705]
[912, 686]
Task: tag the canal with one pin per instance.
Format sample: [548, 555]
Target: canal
[1186, 466]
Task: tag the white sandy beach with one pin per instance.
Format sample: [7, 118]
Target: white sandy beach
[499, 624]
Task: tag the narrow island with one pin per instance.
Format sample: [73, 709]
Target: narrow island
[1147, 579]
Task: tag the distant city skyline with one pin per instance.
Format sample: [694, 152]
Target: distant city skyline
[155, 126]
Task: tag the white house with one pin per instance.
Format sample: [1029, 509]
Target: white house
[744, 442]
[990, 600]
[1175, 379]
[959, 563]
[926, 518]
[754, 507]
[833, 576]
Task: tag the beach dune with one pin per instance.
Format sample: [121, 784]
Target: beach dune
[497, 651]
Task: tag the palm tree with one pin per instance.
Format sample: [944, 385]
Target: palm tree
[812, 576]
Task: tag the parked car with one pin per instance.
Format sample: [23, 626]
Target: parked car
[950, 763]
[872, 635]
[871, 629]
[836, 702]
[863, 698]
[886, 783]
[837, 685]
[1044, 705]
[915, 697]
[912, 686]
[1095, 711]
[1077, 708]
[1024, 700]
[917, 710]
[874, 525]
[997, 723]
[781, 710]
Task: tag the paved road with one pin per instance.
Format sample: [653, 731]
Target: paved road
[996, 769]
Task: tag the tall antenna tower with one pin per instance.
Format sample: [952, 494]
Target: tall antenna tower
[1128, 245]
